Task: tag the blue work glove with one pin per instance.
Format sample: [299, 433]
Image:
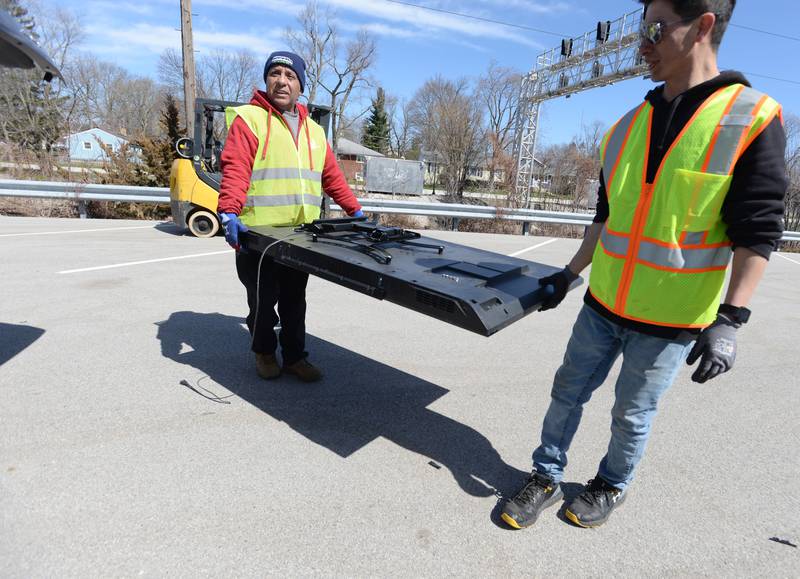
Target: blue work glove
[716, 348]
[233, 227]
[358, 213]
[559, 282]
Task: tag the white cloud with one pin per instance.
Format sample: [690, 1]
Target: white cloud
[156, 39]
[430, 20]
[417, 21]
[140, 36]
[535, 7]
[379, 29]
[260, 44]
[264, 7]
[107, 6]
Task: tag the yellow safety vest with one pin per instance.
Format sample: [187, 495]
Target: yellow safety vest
[286, 182]
[664, 249]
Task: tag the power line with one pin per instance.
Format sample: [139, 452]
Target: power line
[523, 27]
[461, 14]
[771, 77]
[765, 32]
[551, 33]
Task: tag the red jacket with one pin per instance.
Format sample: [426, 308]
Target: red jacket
[240, 152]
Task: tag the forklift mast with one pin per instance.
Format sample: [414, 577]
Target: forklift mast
[323, 116]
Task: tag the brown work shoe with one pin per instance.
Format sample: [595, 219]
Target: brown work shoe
[304, 370]
[267, 366]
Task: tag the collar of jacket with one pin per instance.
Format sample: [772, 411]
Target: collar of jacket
[699, 92]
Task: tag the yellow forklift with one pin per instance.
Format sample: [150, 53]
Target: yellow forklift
[196, 174]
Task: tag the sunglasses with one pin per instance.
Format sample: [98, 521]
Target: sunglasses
[653, 32]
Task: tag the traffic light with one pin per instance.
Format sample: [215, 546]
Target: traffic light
[603, 31]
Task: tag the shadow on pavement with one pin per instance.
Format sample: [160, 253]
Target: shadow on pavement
[170, 228]
[14, 338]
[358, 400]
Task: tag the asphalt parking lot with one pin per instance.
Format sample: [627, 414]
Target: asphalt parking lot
[137, 440]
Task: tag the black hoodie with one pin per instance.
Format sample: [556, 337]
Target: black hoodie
[754, 206]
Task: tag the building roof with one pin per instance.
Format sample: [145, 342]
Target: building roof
[348, 147]
[95, 130]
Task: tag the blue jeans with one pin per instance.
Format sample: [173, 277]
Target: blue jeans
[649, 366]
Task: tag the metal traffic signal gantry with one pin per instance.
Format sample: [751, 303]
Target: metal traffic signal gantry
[598, 58]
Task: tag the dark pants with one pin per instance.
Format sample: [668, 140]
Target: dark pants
[279, 285]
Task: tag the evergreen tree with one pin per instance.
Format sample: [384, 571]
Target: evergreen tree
[376, 129]
[158, 154]
[170, 119]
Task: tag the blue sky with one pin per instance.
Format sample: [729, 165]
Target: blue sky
[416, 44]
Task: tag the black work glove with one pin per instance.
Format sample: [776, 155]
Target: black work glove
[716, 348]
[560, 282]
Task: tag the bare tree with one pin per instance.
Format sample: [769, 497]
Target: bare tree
[140, 110]
[230, 76]
[573, 169]
[498, 90]
[222, 74]
[107, 96]
[351, 128]
[170, 70]
[589, 139]
[401, 137]
[447, 118]
[587, 161]
[348, 74]
[314, 42]
[96, 89]
[337, 69]
[792, 215]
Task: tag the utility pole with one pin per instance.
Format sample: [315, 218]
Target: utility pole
[188, 65]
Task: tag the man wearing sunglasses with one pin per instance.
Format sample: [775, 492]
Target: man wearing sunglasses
[692, 176]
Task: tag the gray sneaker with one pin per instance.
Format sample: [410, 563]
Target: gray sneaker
[595, 504]
[538, 493]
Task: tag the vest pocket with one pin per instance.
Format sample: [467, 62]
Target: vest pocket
[697, 199]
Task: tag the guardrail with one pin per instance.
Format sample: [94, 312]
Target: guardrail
[82, 192]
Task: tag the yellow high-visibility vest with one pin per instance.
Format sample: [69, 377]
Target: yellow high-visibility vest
[664, 249]
[286, 183]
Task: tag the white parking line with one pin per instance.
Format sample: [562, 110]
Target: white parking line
[787, 258]
[77, 231]
[516, 253]
[143, 262]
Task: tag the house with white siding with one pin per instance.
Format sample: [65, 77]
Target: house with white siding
[85, 145]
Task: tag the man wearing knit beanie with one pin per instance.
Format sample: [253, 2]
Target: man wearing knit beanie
[275, 166]
[290, 60]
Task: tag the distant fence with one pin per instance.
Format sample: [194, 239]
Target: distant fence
[395, 176]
